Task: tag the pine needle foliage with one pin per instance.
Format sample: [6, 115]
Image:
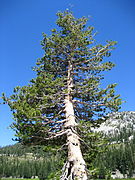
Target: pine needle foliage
[39, 108]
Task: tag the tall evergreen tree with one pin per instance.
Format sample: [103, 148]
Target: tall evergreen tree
[66, 92]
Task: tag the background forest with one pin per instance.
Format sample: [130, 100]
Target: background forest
[19, 161]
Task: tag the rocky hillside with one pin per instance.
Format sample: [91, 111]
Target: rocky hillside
[119, 158]
[118, 121]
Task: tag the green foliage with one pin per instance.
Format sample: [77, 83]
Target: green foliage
[93, 144]
[39, 108]
[26, 162]
[120, 154]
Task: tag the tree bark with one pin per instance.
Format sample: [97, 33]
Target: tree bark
[75, 167]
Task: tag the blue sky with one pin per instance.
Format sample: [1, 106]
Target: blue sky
[22, 23]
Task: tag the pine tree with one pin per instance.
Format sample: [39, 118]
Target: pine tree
[66, 93]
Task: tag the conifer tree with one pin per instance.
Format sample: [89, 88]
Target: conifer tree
[66, 93]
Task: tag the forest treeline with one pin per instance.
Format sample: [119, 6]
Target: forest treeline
[119, 155]
[23, 161]
[26, 162]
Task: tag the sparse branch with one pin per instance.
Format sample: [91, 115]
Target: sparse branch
[89, 104]
[61, 133]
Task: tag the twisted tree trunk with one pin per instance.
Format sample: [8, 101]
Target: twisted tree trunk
[75, 167]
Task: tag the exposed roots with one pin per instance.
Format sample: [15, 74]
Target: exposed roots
[71, 172]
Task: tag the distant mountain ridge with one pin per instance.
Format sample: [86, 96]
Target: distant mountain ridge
[118, 121]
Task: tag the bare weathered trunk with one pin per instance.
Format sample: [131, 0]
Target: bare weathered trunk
[75, 167]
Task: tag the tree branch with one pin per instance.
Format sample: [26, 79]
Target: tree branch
[61, 133]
